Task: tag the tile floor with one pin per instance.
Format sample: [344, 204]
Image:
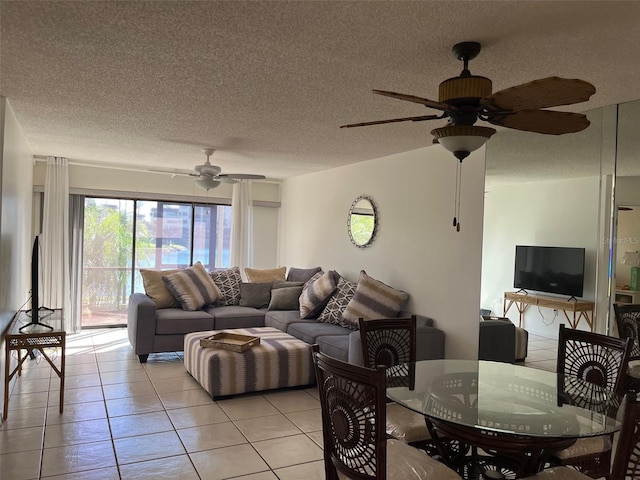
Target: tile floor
[126, 420]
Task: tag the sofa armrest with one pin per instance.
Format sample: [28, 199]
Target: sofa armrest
[141, 324]
[497, 341]
[429, 342]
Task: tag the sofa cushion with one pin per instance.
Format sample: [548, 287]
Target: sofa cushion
[155, 288]
[336, 346]
[315, 295]
[228, 281]
[310, 331]
[264, 275]
[338, 302]
[192, 287]
[301, 274]
[256, 295]
[175, 321]
[287, 298]
[281, 319]
[233, 316]
[373, 299]
[285, 284]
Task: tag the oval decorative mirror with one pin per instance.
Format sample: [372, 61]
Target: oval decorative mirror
[362, 221]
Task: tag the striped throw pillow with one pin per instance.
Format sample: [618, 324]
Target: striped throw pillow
[373, 299]
[192, 287]
[316, 294]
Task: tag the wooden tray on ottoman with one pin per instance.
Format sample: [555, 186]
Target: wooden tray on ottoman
[230, 341]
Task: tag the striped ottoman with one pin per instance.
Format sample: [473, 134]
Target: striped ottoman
[279, 361]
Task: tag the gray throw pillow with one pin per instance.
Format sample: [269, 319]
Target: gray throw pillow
[301, 274]
[285, 284]
[256, 295]
[285, 298]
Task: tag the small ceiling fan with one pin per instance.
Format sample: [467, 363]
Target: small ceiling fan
[209, 176]
[467, 98]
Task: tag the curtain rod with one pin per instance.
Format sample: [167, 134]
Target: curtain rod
[90, 192]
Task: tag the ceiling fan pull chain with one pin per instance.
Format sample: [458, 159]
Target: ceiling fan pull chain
[458, 193]
[456, 202]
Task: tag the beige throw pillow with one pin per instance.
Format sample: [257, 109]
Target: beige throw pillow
[155, 288]
[192, 287]
[373, 299]
[255, 275]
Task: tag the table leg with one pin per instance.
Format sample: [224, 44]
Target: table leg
[62, 373]
[5, 410]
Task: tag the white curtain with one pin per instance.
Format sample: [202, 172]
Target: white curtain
[55, 239]
[242, 225]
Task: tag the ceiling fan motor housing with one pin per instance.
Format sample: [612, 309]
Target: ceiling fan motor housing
[468, 90]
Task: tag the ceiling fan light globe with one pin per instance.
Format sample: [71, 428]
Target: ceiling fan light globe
[207, 183]
[465, 138]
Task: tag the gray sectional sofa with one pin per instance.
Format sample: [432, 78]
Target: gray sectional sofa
[153, 330]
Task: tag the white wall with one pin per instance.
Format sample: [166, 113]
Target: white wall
[16, 169]
[416, 248]
[627, 240]
[554, 213]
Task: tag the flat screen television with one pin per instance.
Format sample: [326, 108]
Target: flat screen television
[35, 288]
[550, 269]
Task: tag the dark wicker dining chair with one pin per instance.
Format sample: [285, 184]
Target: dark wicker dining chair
[392, 343]
[603, 361]
[353, 407]
[628, 323]
[626, 463]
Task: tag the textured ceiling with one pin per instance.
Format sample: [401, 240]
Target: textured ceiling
[268, 83]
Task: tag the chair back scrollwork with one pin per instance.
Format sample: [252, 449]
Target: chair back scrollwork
[352, 400]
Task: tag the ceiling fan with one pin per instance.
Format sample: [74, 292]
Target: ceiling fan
[467, 98]
[209, 176]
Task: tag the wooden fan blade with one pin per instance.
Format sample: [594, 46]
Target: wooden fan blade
[424, 101]
[227, 180]
[542, 93]
[241, 176]
[394, 120]
[542, 121]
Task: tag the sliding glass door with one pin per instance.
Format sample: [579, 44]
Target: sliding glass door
[107, 260]
[159, 235]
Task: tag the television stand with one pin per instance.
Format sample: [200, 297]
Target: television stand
[25, 344]
[37, 321]
[574, 310]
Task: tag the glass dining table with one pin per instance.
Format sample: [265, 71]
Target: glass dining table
[497, 416]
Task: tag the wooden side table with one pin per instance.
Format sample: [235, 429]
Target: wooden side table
[573, 310]
[34, 338]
